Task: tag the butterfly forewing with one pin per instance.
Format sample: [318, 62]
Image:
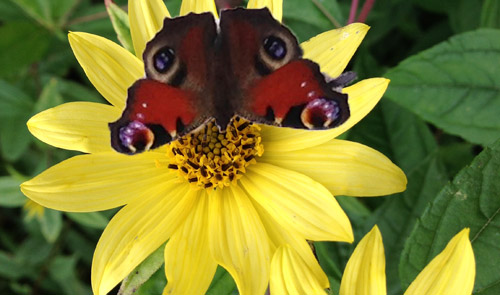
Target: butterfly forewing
[176, 95]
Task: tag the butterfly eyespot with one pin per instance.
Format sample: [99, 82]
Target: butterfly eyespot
[320, 113]
[275, 47]
[136, 137]
[163, 59]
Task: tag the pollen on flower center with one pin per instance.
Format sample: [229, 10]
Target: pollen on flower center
[210, 158]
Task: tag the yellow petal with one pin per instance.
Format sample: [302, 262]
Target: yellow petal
[146, 19]
[136, 231]
[238, 240]
[344, 167]
[275, 6]
[363, 96]
[198, 6]
[110, 67]
[281, 236]
[334, 49]
[298, 202]
[79, 126]
[189, 266]
[96, 182]
[364, 273]
[290, 274]
[452, 272]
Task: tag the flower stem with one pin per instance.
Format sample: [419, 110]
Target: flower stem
[352, 13]
[365, 11]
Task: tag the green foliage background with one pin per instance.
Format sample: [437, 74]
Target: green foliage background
[439, 121]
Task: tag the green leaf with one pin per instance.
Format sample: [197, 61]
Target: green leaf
[10, 11]
[471, 200]
[49, 98]
[456, 156]
[10, 267]
[436, 6]
[51, 224]
[63, 271]
[61, 10]
[222, 284]
[143, 272]
[15, 110]
[39, 10]
[22, 44]
[305, 19]
[33, 251]
[90, 219]
[119, 19]
[14, 137]
[464, 15]
[328, 257]
[84, 19]
[10, 195]
[72, 91]
[173, 7]
[153, 285]
[13, 101]
[490, 14]
[454, 85]
[50, 13]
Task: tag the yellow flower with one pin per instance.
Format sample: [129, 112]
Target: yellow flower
[451, 272]
[255, 224]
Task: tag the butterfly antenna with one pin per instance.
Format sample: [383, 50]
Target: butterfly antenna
[342, 80]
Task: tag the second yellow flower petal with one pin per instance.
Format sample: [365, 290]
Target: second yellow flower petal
[298, 202]
[281, 236]
[97, 182]
[136, 231]
[274, 6]
[198, 6]
[110, 67]
[189, 265]
[238, 240]
[364, 273]
[452, 272]
[146, 19]
[80, 126]
[290, 274]
[333, 50]
[344, 167]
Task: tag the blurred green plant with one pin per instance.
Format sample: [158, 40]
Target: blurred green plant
[439, 122]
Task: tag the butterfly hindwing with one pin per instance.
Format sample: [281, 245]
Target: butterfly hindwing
[172, 99]
[297, 95]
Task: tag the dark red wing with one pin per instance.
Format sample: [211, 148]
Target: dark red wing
[174, 98]
[155, 113]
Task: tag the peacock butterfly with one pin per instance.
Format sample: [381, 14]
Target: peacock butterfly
[246, 65]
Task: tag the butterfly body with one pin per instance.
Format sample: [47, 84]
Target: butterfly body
[247, 65]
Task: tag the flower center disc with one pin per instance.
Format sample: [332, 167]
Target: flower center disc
[210, 158]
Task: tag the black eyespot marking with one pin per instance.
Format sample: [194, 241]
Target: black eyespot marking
[135, 137]
[275, 47]
[163, 59]
[321, 113]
